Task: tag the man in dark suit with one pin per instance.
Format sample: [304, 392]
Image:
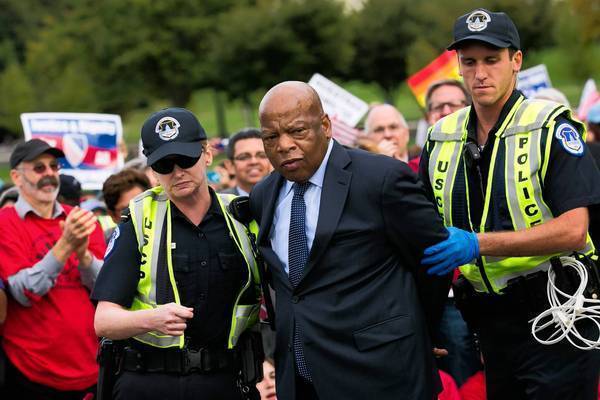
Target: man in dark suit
[342, 232]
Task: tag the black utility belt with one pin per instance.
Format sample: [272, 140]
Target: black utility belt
[523, 298]
[184, 361]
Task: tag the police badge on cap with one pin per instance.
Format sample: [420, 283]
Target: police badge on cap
[167, 128]
[172, 131]
[478, 20]
[493, 28]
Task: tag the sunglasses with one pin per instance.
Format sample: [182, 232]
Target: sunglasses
[166, 165]
[40, 167]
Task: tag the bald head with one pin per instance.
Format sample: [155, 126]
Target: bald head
[300, 93]
[383, 111]
[294, 129]
[388, 128]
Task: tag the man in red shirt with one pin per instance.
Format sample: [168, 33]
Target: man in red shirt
[50, 255]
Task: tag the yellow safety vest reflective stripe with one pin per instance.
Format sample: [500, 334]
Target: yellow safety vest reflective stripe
[149, 211]
[524, 170]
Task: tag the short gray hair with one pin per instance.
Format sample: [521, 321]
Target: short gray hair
[379, 106]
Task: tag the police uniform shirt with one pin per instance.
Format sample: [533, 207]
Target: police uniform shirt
[209, 272]
[571, 181]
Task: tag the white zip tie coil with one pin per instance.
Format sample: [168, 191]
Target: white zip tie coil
[566, 310]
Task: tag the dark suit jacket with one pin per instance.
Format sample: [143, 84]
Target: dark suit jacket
[363, 328]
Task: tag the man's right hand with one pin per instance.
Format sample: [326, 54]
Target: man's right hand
[170, 319]
[76, 228]
[78, 225]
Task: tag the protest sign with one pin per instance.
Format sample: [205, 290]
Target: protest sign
[344, 109]
[532, 80]
[337, 102]
[89, 141]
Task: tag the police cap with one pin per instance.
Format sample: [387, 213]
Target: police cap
[172, 131]
[495, 28]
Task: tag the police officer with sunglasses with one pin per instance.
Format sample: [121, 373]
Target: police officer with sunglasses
[179, 289]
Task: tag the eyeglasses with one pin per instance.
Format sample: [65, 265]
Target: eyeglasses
[166, 165]
[40, 167]
[247, 156]
[454, 106]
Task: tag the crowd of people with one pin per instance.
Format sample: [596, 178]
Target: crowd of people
[369, 267]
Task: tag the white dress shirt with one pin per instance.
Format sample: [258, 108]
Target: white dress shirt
[280, 230]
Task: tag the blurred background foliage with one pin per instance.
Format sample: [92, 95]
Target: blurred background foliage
[217, 57]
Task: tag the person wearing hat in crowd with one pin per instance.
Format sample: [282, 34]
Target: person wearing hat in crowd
[180, 286]
[513, 181]
[69, 191]
[9, 196]
[50, 255]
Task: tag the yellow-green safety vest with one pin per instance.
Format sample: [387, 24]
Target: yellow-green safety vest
[149, 211]
[524, 170]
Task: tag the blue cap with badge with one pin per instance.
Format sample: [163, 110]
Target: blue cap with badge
[494, 28]
[172, 131]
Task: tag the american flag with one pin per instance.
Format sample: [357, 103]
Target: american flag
[344, 133]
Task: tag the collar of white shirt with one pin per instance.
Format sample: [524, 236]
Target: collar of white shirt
[318, 176]
[242, 192]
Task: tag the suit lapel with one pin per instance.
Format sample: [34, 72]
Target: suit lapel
[272, 187]
[333, 198]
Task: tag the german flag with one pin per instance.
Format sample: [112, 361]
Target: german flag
[443, 67]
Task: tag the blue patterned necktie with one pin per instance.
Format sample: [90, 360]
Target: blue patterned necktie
[297, 257]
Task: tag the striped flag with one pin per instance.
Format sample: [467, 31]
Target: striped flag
[443, 67]
[343, 133]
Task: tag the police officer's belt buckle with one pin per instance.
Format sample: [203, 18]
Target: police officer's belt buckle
[196, 361]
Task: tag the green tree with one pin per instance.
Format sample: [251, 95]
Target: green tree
[135, 51]
[578, 35]
[20, 21]
[16, 96]
[534, 19]
[258, 46]
[384, 31]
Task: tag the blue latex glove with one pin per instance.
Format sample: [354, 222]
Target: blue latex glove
[460, 248]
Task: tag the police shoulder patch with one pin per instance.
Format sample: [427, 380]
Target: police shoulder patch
[111, 242]
[569, 139]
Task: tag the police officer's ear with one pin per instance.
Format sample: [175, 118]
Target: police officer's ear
[208, 155]
[516, 59]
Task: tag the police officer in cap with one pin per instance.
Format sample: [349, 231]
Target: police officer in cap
[513, 181]
[179, 286]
